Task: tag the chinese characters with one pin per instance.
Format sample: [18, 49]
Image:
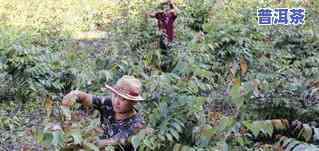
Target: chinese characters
[281, 16]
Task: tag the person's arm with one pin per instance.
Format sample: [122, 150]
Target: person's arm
[149, 14]
[153, 14]
[174, 8]
[79, 96]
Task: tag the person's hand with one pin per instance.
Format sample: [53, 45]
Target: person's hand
[150, 14]
[100, 143]
[69, 99]
[104, 142]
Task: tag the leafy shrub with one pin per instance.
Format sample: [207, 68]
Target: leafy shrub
[259, 72]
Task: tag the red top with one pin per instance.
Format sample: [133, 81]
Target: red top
[165, 22]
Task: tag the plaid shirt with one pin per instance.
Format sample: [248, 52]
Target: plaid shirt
[117, 129]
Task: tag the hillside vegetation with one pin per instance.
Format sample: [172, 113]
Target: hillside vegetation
[227, 72]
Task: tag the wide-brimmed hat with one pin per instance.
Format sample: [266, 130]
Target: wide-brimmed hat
[127, 87]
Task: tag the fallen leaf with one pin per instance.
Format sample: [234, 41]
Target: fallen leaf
[214, 118]
[280, 124]
[314, 84]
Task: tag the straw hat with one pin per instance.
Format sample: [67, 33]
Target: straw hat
[127, 87]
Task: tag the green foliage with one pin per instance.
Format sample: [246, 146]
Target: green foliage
[52, 52]
[197, 12]
[27, 68]
[68, 130]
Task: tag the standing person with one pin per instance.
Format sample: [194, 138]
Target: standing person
[165, 20]
[119, 119]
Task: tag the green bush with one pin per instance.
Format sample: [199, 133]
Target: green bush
[258, 72]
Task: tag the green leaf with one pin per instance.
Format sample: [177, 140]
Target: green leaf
[47, 138]
[186, 148]
[262, 126]
[225, 147]
[135, 141]
[148, 143]
[91, 146]
[37, 135]
[162, 137]
[235, 95]
[177, 127]
[225, 123]
[76, 135]
[169, 137]
[58, 138]
[177, 147]
[109, 148]
[179, 122]
[305, 133]
[66, 112]
[208, 132]
[174, 133]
